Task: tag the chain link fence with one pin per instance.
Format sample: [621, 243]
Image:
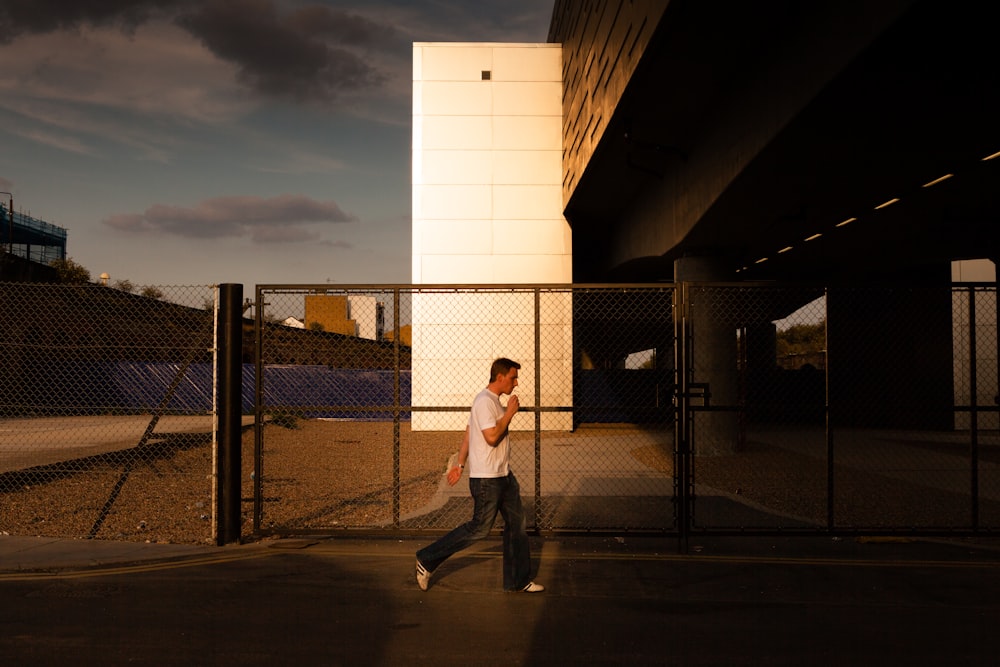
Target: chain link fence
[364, 443]
[808, 409]
[106, 412]
[679, 409]
[886, 422]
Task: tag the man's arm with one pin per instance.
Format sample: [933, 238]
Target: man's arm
[463, 455]
[495, 434]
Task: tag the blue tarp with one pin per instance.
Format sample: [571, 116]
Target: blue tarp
[302, 390]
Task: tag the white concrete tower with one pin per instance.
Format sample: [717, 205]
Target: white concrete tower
[487, 209]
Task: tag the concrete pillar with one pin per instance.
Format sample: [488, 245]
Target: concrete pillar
[714, 349]
[761, 370]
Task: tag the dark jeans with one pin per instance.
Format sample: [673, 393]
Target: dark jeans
[491, 496]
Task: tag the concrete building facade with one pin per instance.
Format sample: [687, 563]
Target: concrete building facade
[846, 143]
[487, 209]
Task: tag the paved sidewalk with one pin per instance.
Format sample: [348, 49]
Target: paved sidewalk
[609, 601]
[51, 554]
[24, 554]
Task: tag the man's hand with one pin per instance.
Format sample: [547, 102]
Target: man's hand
[454, 475]
[513, 404]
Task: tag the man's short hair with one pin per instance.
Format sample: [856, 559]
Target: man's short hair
[502, 366]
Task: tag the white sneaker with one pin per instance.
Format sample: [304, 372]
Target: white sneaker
[532, 587]
[423, 576]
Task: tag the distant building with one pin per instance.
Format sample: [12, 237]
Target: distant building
[364, 310]
[30, 238]
[356, 315]
[405, 335]
[27, 246]
[329, 313]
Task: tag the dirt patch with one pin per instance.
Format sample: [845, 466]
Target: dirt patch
[319, 474]
[328, 475]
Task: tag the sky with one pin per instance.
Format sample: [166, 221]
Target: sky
[199, 142]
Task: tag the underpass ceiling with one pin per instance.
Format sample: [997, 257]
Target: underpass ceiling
[921, 102]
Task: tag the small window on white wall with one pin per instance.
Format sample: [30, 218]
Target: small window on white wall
[487, 75]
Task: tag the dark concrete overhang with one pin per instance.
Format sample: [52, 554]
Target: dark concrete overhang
[882, 99]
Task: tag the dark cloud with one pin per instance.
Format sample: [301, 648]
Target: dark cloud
[281, 219]
[341, 26]
[299, 56]
[481, 21]
[308, 53]
[36, 16]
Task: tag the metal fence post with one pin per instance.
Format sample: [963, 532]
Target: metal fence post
[682, 419]
[973, 411]
[229, 402]
[538, 415]
[396, 397]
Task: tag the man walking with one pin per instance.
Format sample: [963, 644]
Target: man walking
[486, 450]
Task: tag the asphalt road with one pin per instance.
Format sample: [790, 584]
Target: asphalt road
[610, 601]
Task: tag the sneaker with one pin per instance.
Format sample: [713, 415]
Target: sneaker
[423, 576]
[532, 587]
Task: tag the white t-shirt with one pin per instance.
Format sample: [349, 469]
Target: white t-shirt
[486, 461]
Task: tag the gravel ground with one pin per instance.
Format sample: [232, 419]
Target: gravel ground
[319, 473]
[327, 475]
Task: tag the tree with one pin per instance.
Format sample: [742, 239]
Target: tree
[802, 339]
[69, 272]
[151, 292]
[125, 285]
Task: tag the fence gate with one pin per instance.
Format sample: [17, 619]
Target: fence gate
[362, 395]
[671, 409]
[839, 410]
